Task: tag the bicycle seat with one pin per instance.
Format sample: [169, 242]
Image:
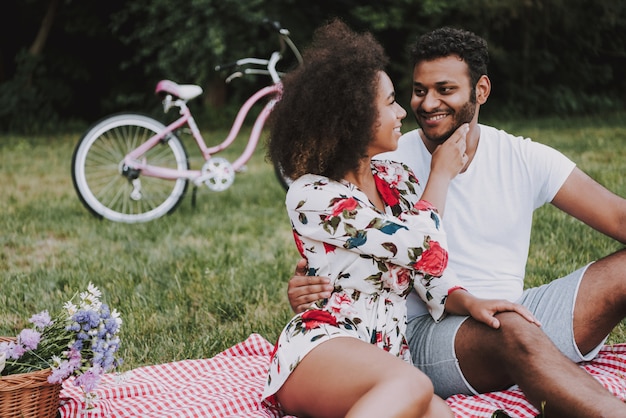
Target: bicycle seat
[182, 91]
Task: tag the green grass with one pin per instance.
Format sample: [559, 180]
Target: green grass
[198, 281]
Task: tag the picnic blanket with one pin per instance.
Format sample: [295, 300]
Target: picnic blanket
[230, 385]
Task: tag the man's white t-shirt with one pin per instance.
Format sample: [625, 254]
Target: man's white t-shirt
[489, 208]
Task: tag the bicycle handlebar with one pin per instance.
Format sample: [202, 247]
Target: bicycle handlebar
[227, 66]
[269, 64]
[272, 25]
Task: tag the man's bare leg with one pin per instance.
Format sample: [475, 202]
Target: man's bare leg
[521, 353]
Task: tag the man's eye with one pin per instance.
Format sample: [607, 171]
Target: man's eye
[419, 92]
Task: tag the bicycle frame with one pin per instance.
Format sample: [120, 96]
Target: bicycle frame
[132, 160]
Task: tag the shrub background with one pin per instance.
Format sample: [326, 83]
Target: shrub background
[65, 62]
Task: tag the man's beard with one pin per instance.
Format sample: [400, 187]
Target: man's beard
[463, 115]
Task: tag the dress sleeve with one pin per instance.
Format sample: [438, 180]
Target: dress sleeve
[339, 215]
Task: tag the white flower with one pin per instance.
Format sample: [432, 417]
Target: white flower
[70, 308]
[94, 290]
[116, 315]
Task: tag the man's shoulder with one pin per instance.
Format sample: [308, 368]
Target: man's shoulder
[492, 132]
[498, 138]
[499, 144]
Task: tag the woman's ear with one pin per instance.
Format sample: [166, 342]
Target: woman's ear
[483, 88]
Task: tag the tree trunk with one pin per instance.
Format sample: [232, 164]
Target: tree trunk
[44, 30]
[215, 96]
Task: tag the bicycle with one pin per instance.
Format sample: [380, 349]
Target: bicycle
[132, 168]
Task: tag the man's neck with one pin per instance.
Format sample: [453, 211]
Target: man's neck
[473, 136]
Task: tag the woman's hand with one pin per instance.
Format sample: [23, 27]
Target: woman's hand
[450, 158]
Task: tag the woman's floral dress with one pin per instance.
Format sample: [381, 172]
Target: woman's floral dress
[372, 258]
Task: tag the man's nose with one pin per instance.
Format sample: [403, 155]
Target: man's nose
[430, 102]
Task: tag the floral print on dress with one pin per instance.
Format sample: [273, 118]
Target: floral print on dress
[373, 259]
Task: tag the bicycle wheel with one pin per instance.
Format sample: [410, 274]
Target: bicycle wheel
[112, 192]
[281, 177]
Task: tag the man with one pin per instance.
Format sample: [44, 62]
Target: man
[488, 220]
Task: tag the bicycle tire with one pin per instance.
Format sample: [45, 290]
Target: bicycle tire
[97, 170]
[284, 181]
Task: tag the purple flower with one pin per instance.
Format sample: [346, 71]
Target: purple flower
[105, 312]
[87, 318]
[74, 356]
[89, 380]
[108, 361]
[29, 338]
[66, 367]
[78, 345]
[111, 325]
[74, 327]
[12, 350]
[60, 373]
[41, 320]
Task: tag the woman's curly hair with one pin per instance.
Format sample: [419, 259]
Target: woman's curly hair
[327, 114]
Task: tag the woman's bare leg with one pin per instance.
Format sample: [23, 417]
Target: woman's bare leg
[346, 377]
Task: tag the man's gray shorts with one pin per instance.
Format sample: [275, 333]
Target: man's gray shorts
[432, 345]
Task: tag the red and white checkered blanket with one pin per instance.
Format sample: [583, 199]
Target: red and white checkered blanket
[230, 384]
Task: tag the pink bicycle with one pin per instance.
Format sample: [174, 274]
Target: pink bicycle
[132, 168]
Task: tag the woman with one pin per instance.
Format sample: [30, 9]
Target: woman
[361, 223]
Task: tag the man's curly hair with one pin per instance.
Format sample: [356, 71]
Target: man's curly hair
[443, 42]
[327, 114]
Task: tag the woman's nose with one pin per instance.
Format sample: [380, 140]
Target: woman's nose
[401, 112]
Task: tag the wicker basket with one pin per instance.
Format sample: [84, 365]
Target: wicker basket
[28, 395]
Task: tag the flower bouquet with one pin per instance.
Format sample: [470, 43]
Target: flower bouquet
[81, 342]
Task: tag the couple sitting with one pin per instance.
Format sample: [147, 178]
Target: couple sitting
[372, 230]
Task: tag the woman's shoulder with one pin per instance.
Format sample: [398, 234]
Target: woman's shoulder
[311, 181]
[313, 186]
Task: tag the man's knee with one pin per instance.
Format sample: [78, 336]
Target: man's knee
[518, 337]
[489, 357]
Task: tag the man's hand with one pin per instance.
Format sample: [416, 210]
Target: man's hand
[461, 302]
[303, 290]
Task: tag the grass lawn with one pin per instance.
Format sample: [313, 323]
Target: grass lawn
[198, 281]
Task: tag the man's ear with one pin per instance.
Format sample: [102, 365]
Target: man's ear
[483, 88]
